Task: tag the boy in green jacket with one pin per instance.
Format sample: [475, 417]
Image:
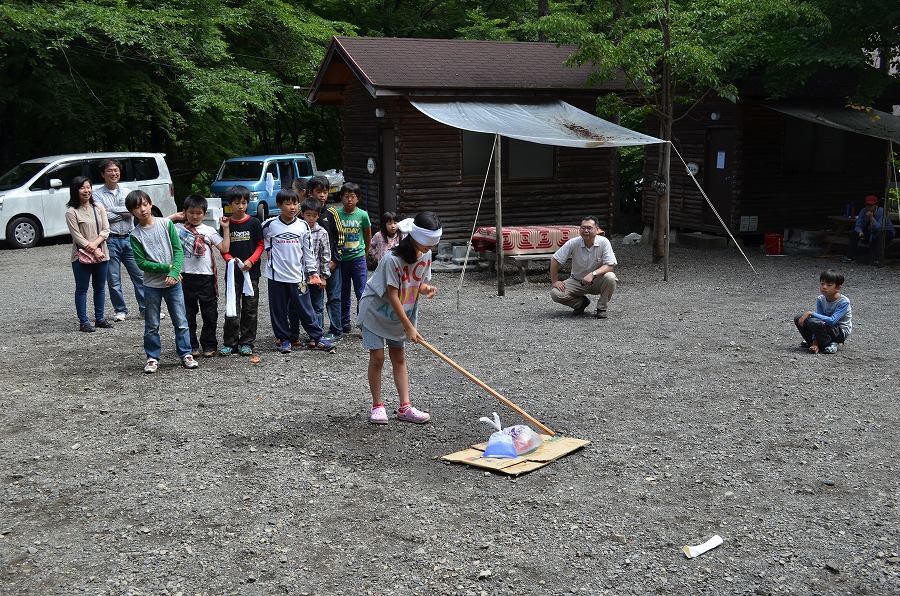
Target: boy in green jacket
[158, 253]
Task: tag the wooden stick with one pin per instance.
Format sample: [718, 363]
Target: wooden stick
[484, 386]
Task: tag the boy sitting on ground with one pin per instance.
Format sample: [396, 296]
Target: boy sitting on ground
[830, 324]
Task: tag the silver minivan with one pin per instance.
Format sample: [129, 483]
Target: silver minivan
[33, 195]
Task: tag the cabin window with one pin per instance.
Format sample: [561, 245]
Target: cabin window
[528, 160]
[811, 148]
[521, 160]
[477, 148]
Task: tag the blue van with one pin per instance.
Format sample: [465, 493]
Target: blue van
[264, 175]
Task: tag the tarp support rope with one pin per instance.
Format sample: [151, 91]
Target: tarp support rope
[462, 274]
[708, 202]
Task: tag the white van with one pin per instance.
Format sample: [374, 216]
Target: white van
[33, 195]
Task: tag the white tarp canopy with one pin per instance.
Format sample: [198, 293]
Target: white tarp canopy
[872, 123]
[548, 123]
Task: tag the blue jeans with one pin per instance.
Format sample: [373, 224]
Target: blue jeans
[174, 298]
[333, 303]
[120, 253]
[317, 298]
[355, 272]
[86, 275]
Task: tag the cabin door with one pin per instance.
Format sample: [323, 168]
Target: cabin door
[388, 169]
[719, 174]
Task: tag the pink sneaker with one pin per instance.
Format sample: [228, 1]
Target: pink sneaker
[378, 415]
[413, 415]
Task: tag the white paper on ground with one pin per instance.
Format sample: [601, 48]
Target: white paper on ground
[695, 551]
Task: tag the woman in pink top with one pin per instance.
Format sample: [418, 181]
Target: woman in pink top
[89, 227]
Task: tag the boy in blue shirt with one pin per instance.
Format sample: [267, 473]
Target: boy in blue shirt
[830, 324]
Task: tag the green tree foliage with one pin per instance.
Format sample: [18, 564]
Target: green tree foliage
[673, 52]
[199, 79]
[438, 19]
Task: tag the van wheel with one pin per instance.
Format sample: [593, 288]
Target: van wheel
[22, 232]
[262, 212]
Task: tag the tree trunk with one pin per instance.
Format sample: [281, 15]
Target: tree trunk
[666, 118]
[543, 10]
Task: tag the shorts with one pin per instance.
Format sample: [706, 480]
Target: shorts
[371, 341]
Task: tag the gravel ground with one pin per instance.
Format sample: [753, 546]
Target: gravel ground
[705, 418]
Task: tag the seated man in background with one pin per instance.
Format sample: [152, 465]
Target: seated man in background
[593, 263]
[870, 223]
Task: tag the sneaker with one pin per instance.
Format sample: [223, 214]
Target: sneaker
[254, 359]
[413, 415]
[209, 353]
[189, 362]
[831, 348]
[333, 338]
[86, 327]
[103, 324]
[152, 366]
[246, 351]
[347, 328]
[298, 343]
[847, 259]
[378, 415]
[195, 352]
[804, 345]
[600, 314]
[285, 347]
[585, 302]
[325, 346]
[226, 351]
[119, 317]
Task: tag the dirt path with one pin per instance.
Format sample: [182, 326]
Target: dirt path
[704, 419]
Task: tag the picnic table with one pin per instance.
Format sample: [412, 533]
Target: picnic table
[843, 225]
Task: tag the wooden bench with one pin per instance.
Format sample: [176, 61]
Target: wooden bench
[521, 262]
[841, 233]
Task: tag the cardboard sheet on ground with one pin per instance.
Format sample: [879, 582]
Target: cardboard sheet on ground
[552, 449]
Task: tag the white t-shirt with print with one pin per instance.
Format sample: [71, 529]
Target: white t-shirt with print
[375, 312]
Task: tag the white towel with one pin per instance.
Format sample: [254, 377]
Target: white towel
[230, 298]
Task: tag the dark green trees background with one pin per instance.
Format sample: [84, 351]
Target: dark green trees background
[202, 80]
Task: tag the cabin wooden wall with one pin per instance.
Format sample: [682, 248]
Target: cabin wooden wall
[429, 172]
[760, 185]
[789, 200]
[687, 207]
[360, 130]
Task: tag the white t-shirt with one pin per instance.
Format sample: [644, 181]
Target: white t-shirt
[291, 256]
[586, 258]
[198, 264]
[375, 312]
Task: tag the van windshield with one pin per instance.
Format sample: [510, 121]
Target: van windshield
[235, 171]
[20, 174]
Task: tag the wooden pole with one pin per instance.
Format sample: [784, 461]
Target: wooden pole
[884, 201]
[498, 210]
[484, 386]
